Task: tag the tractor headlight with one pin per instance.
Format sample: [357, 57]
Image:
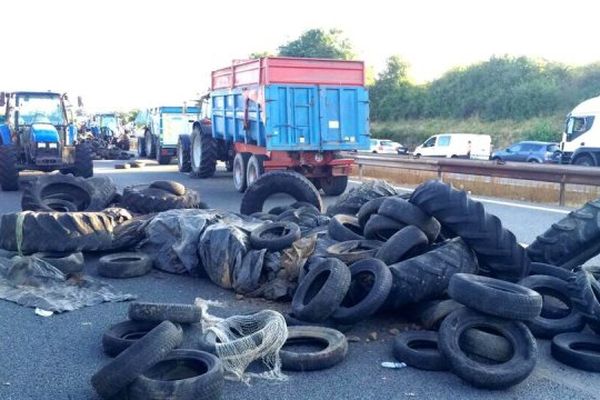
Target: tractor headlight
[41, 145]
[52, 145]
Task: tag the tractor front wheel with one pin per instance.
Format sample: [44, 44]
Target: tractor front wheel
[9, 175]
[84, 163]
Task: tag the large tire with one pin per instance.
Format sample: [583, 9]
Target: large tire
[496, 247]
[486, 375]
[274, 182]
[146, 199]
[203, 154]
[153, 347]
[45, 193]
[578, 350]
[160, 158]
[419, 349]
[67, 263]
[122, 335]
[240, 170]
[184, 163]
[334, 185]
[571, 241]
[84, 161]
[9, 175]
[124, 265]
[275, 236]
[255, 168]
[321, 291]
[334, 352]
[141, 147]
[61, 232]
[150, 145]
[495, 297]
[191, 375]
[426, 277]
[584, 289]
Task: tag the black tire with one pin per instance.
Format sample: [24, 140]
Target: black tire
[419, 349]
[584, 290]
[334, 352]
[571, 241]
[538, 268]
[496, 247]
[48, 190]
[344, 227]
[334, 185]
[426, 276]
[203, 154]
[240, 169]
[172, 187]
[403, 211]
[369, 208]
[486, 375]
[161, 158]
[61, 232]
[141, 147]
[354, 250]
[182, 375]
[292, 320]
[578, 350]
[145, 199]
[432, 313]
[67, 263]
[229, 165]
[353, 310]
[351, 201]
[544, 326]
[404, 244]
[264, 216]
[584, 161]
[124, 265]
[487, 345]
[150, 145]
[495, 297]
[321, 291]
[255, 168]
[9, 175]
[115, 376]
[122, 335]
[286, 182]
[275, 236]
[157, 312]
[382, 228]
[84, 161]
[594, 325]
[123, 166]
[184, 163]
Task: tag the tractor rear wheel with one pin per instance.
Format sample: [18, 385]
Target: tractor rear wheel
[84, 163]
[149, 144]
[9, 175]
[203, 154]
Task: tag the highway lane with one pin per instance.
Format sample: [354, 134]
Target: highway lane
[53, 358]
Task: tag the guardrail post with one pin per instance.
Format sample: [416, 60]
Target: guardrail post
[439, 173]
[360, 172]
[561, 195]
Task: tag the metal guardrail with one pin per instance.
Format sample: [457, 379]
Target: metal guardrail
[552, 173]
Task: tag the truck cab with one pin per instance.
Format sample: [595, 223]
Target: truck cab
[580, 142]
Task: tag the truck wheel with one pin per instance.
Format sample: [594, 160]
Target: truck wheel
[229, 165]
[149, 145]
[162, 159]
[240, 163]
[141, 147]
[255, 168]
[183, 154]
[334, 185]
[84, 163]
[203, 154]
[9, 175]
[585, 161]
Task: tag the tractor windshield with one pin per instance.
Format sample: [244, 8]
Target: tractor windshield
[40, 109]
[108, 121]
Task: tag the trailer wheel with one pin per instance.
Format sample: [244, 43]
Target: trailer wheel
[149, 143]
[183, 154]
[240, 163]
[203, 154]
[9, 175]
[162, 159]
[255, 168]
[334, 185]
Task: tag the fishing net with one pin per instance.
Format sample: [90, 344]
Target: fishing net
[242, 339]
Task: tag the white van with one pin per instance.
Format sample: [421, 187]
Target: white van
[456, 145]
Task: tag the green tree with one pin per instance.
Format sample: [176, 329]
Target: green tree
[392, 96]
[318, 43]
[259, 54]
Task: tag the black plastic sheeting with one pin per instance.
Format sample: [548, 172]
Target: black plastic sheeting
[351, 201]
[31, 282]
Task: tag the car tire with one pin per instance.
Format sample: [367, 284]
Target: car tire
[369, 208]
[578, 350]
[419, 349]
[345, 227]
[354, 250]
[122, 335]
[275, 236]
[403, 211]
[334, 352]
[405, 243]
[381, 228]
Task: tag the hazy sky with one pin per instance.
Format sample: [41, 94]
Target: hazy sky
[122, 54]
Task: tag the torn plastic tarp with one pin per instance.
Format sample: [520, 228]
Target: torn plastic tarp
[32, 282]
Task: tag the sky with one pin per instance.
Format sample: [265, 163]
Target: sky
[128, 54]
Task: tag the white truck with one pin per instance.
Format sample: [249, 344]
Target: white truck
[580, 142]
[456, 145]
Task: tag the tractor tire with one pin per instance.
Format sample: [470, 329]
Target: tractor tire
[84, 162]
[183, 154]
[149, 145]
[571, 241]
[146, 199]
[9, 175]
[286, 182]
[496, 247]
[254, 168]
[141, 147]
[203, 154]
[334, 185]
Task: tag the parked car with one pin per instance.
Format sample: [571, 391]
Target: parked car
[385, 146]
[456, 145]
[528, 151]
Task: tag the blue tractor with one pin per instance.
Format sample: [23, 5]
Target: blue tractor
[36, 135]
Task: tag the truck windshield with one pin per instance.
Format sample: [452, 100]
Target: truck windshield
[108, 121]
[40, 109]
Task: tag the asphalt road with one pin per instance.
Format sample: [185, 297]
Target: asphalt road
[54, 358]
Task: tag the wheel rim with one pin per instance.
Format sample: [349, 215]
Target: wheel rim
[252, 175]
[148, 145]
[180, 156]
[197, 152]
[238, 174]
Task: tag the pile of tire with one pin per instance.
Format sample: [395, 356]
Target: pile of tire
[156, 356]
[160, 196]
